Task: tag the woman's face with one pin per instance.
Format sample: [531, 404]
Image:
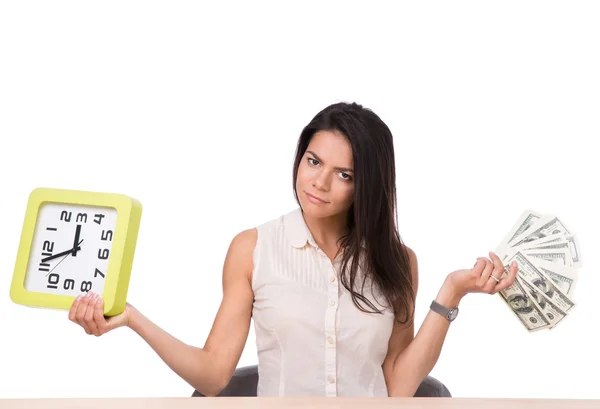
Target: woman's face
[325, 180]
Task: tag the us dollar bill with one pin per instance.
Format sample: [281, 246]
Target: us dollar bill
[524, 222]
[561, 256]
[544, 303]
[553, 239]
[544, 227]
[524, 308]
[564, 277]
[549, 258]
[565, 245]
[574, 247]
[528, 272]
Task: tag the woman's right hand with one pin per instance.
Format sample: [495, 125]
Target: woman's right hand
[88, 311]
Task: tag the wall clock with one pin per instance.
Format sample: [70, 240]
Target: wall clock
[72, 242]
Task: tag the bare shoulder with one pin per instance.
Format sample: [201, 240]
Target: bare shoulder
[245, 240]
[239, 259]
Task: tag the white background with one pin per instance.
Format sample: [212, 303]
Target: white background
[195, 110]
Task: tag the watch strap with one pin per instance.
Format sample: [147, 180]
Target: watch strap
[443, 311]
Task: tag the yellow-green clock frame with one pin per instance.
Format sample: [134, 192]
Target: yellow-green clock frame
[129, 212]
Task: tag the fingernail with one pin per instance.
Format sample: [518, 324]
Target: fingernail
[514, 263]
[99, 300]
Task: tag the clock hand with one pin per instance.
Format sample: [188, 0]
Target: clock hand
[59, 255]
[75, 242]
[63, 259]
[70, 251]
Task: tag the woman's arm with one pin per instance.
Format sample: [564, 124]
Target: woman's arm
[410, 360]
[206, 369]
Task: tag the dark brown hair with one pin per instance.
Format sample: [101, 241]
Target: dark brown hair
[373, 214]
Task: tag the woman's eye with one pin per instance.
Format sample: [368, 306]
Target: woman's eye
[313, 161]
[345, 176]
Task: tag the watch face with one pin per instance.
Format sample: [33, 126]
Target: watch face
[70, 249]
[453, 313]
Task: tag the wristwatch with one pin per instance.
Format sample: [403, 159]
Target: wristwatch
[449, 313]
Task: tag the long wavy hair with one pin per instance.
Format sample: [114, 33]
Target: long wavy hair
[372, 232]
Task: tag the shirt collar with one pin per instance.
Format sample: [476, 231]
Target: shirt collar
[296, 230]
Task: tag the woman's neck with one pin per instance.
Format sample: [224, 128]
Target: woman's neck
[327, 231]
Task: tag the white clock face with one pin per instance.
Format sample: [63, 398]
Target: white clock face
[70, 249]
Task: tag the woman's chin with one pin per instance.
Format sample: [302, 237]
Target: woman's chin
[317, 211]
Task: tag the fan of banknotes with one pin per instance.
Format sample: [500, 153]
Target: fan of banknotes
[549, 260]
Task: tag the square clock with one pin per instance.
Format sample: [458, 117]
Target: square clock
[73, 242]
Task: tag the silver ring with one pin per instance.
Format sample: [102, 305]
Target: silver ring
[491, 276]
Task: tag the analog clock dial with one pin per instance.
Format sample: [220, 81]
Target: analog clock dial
[71, 248]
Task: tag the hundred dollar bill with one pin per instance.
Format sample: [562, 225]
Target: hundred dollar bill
[557, 244]
[522, 305]
[560, 256]
[557, 238]
[525, 220]
[564, 277]
[574, 247]
[542, 228]
[566, 246]
[556, 241]
[544, 303]
[528, 272]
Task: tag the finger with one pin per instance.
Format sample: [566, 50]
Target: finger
[81, 311]
[478, 267]
[485, 274]
[73, 309]
[99, 316]
[496, 274]
[89, 315]
[509, 279]
[498, 265]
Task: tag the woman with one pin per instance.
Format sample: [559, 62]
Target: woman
[331, 286]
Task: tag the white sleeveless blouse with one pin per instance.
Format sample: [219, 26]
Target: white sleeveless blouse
[311, 338]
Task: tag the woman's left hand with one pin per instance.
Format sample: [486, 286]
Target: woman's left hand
[486, 276]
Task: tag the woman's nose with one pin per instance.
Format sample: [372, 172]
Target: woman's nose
[321, 181]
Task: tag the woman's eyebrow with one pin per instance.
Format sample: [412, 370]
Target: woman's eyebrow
[337, 167]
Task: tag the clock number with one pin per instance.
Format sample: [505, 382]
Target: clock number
[48, 246]
[66, 216]
[69, 284]
[86, 286]
[47, 249]
[98, 272]
[53, 280]
[98, 218]
[108, 233]
[103, 254]
[81, 217]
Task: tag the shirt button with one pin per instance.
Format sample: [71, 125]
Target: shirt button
[332, 279]
[332, 303]
[331, 379]
[330, 340]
